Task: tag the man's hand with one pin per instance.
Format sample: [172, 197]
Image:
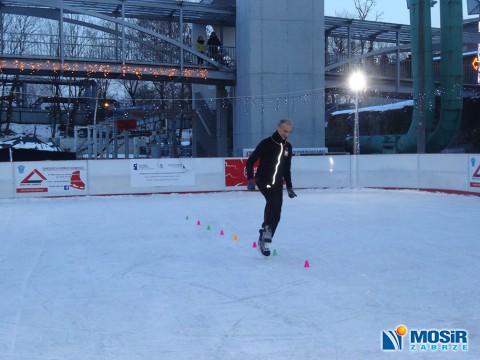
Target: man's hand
[291, 193]
[251, 185]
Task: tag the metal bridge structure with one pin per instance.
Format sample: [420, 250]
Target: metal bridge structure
[106, 39]
[382, 51]
[78, 42]
[122, 39]
[114, 44]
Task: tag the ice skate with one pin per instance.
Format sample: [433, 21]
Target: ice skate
[262, 245]
[267, 234]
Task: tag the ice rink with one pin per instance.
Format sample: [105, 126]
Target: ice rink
[135, 277]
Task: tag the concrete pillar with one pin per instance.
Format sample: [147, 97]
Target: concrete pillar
[280, 71]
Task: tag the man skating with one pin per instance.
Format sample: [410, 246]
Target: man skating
[275, 155]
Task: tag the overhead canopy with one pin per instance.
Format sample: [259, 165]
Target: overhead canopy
[371, 30]
[216, 13]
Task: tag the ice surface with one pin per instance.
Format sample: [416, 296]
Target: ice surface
[129, 277]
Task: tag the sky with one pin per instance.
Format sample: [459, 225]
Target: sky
[393, 11]
[162, 276]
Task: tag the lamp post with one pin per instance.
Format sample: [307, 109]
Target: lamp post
[357, 83]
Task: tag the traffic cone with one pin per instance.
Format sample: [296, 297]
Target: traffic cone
[198, 222]
[235, 237]
[186, 217]
[209, 228]
[221, 232]
[307, 264]
[254, 244]
[274, 252]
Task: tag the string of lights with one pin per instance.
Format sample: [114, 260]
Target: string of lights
[31, 67]
[254, 99]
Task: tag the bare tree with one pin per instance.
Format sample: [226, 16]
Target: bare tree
[103, 87]
[131, 87]
[16, 30]
[167, 95]
[78, 43]
[10, 99]
[363, 11]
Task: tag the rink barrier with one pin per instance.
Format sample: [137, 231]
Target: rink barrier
[450, 173]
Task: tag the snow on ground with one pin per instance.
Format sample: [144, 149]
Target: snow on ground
[40, 130]
[379, 108]
[130, 278]
[29, 142]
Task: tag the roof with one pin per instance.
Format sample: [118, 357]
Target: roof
[383, 32]
[371, 30]
[214, 13]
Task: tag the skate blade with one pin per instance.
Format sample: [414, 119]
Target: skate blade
[265, 254]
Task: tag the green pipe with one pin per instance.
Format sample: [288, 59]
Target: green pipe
[451, 20]
[451, 79]
[421, 38]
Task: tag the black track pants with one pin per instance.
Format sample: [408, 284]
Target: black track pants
[273, 208]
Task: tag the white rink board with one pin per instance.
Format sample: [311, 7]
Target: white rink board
[399, 171]
[449, 172]
[321, 171]
[445, 172]
[114, 177]
[6, 180]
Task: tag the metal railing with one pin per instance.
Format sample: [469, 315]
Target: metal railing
[110, 49]
[380, 67]
[205, 114]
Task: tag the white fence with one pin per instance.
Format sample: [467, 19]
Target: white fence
[444, 172]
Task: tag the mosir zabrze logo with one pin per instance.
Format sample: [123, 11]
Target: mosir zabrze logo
[424, 340]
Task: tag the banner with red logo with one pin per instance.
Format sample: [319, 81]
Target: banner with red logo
[235, 172]
[56, 177]
[474, 171]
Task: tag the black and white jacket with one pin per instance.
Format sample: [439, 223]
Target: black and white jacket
[275, 156]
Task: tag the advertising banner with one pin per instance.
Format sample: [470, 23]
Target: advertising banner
[474, 171]
[55, 177]
[160, 172]
[235, 173]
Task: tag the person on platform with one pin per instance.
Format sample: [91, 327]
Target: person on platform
[214, 45]
[200, 47]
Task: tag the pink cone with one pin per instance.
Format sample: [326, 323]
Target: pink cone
[198, 222]
[307, 264]
[221, 232]
[254, 244]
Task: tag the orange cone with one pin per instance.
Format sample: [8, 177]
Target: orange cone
[235, 237]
